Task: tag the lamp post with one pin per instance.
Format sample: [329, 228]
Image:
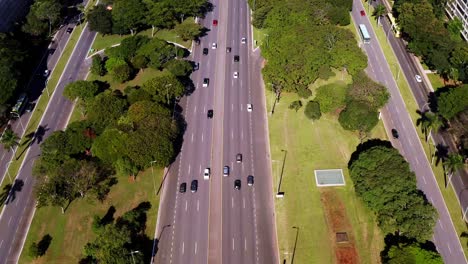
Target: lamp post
[134, 252]
[295, 243]
[18, 116]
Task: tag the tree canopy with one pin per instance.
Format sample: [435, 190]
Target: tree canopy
[453, 101]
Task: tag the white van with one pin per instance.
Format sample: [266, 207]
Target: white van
[206, 174]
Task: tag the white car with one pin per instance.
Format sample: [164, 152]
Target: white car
[418, 78]
[206, 174]
[249, 107]
[214, 45]
[243, 40]
[235, 75]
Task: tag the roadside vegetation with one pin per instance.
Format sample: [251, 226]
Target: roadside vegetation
[120, 133]
[323, 51]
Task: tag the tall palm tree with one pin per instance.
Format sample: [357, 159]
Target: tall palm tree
[453, 163]
[9, 139]
[428, 121]
[379, 11]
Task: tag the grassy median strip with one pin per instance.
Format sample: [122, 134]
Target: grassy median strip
[72, 230]
[321, 144]
[41, 106]
[449, 195]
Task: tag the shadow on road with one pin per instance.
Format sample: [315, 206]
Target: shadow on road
[31, 138]
[17, 187]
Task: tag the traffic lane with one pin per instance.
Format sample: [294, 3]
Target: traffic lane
[26, 193]
[263, 182]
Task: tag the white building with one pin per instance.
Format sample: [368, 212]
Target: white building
[459, 8]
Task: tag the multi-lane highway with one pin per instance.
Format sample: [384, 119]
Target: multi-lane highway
[16, 216]
[395, 115]
[218, 223]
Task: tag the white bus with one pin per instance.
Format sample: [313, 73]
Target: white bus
[364, 33]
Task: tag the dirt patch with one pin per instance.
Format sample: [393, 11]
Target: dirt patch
[338, 222]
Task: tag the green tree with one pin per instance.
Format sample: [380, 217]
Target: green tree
[179, 68]
[114, 62]
[128, 48]
[358, 116]
[54, 191]
[429, 121]
[85, 90]
[455, 26]
[161, 14]
[379, 11]
[140, 62]
[8, 82]
[100, 19]
[408, 253]
[110, 145]
[42, 15]
[109, 245]
[122, 73]
[339, 15]
[105, 109]
[365, 90]
[126, 167]
[9, 139]
[158, 52]
[164, 88]
[296, 105]
[331, 97]
[97, 66]
[128, 16]
[453, 101]
[188, 30]
[452, 164]
[312, 110]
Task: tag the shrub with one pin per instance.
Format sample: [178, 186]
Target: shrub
[331, 96]
[296, 105]
[312, 110]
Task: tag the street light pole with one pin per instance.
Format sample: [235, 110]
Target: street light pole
[133, 252]
[278, 193]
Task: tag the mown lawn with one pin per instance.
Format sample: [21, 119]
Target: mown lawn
[106, 41]
[72, 230]
[450, 198]
[321, 144]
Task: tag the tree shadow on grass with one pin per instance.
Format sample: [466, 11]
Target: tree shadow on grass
[44, 244]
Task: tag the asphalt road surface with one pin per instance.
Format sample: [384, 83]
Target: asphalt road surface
[219, 224]
[17, 214]
[395, 115]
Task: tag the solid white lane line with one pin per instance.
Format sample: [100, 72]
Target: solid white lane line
[198, 205]
[232, 244]
[232, 107]
[186, 205]
[201, 137]
[232, 202]
[192, 137]
[195, 110]
[243, 200]
[245, 244]
[424, 179]
[242, 134]
[204, 109]
[232, 134]
[189, 169]
[196, 246]
[183, 247]
[241, 108]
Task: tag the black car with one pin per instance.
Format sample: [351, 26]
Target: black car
[194, 186]
[183, 187]
[196, 66]
[30, 107]
[228, 49]
[395, 133]
[239, 158]
[210, 113]
[250, 180]
[206, 82]
[236, 58]
[69, 30]
[205, 51]
[237, 184]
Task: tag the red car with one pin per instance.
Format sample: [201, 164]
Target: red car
[363, 13]
[215, 22]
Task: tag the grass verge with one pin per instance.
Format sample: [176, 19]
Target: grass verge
[321, 144]
[259, 36]
[41, 105]
[106, 41]
[449, 195]
[72, 230]
[436, 81]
